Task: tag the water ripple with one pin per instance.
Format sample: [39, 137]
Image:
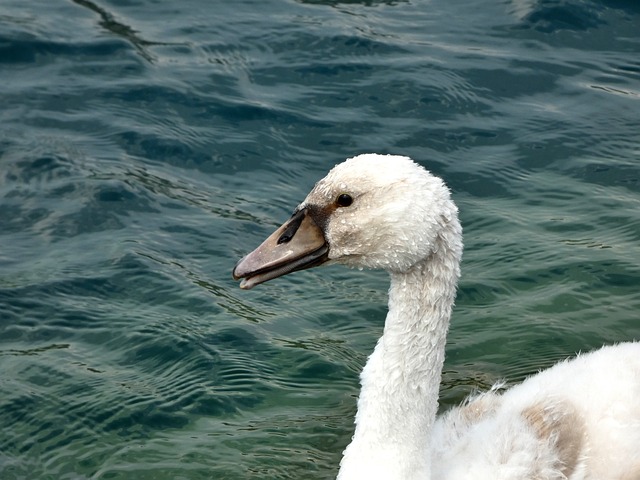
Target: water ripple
[145, 148]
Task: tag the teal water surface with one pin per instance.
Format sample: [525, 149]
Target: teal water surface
[146, 146]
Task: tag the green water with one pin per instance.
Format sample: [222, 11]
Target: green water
[145, 147]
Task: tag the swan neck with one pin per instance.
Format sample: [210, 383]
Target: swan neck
[400, 382]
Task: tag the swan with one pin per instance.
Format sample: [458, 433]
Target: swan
[578, 420]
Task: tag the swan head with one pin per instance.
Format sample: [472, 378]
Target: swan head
[371, 211]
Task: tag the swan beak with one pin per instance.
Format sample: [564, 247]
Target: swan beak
[296, 245]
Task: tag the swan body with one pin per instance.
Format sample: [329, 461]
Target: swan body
[579, 420]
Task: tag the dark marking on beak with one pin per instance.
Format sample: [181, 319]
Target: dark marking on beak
[298, 244]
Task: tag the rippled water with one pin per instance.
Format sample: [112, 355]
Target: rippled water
[146, 146]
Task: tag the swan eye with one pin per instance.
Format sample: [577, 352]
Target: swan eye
[344, 200]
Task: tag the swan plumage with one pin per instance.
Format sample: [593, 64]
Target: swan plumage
[579, 420]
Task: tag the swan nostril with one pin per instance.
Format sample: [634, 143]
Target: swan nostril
[292, 228]
[285, 238]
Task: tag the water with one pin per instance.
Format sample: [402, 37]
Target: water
[146, 146]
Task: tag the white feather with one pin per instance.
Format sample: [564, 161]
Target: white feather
[579, 420]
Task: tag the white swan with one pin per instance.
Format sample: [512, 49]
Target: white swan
[577, 420]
